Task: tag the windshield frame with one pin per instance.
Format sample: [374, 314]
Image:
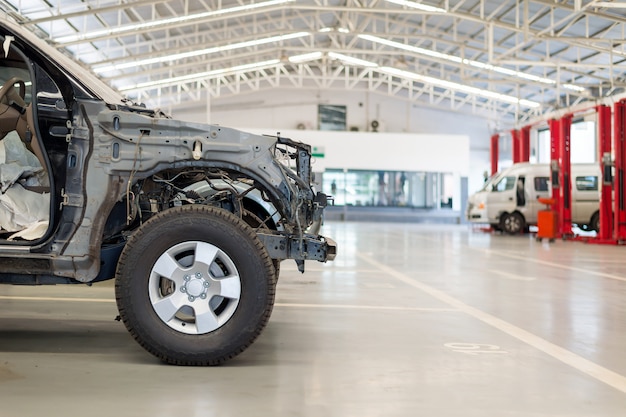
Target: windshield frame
[488, 185]
[79, 74]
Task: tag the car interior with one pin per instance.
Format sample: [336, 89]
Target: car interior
[25, 185]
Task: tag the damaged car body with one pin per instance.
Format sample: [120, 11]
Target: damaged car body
[191, 220]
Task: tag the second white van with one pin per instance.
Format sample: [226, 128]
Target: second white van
[508, 200]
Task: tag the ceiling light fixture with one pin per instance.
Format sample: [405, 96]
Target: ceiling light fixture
[329, 29]
[298, 59]
[345, 58]
[207, 51]
[465, 61]
[418, 6]
[574, 87]
[431, 80]
[80, 37]
[458, 87]
[352, 60]
[201, 75]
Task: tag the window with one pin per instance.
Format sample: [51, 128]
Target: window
[505, 184]
[389, 188]
[332, 117]
[541, 183]
[587, 183]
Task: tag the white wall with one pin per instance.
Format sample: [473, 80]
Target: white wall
[282, 110]
[385, 151]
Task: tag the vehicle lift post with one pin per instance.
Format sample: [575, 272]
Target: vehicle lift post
[620, 160]
[605, 234]
[524, 142]
[555, 127]
[494, 152]
[521, 144]
[565, 181]
[515, 139]
[560, 169]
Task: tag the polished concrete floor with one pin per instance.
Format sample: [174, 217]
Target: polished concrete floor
[409, 320]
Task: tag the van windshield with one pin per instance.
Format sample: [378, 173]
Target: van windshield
[488, 185]
[505, 183]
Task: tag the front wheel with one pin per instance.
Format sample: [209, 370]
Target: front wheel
[195, 286]
[512, 223]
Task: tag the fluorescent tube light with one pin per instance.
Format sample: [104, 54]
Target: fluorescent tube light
[458, 87]
[352, 60]
[207, 51]
[156, 23]
[470, 62]
[412, 76]
[312, 56]
[202, 75]
[328, 29]
[418, 6]
[573, 87]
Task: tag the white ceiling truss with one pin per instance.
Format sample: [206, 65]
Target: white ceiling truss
[510, 60]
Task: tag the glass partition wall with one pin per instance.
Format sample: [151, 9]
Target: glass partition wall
[388, 188]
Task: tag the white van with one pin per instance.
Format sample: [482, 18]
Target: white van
[508, 200]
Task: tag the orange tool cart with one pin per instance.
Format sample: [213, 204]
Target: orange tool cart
[546, 220]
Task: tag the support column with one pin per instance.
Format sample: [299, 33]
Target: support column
[606, 191]
[555, 135]
[524, 141]
[494, 151]
[515, 139]
[620, 160]
[565, 177]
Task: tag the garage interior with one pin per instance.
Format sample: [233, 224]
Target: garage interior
[421, 312]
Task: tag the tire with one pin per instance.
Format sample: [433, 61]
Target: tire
[195, 286]
[594, 223]
[512, 223]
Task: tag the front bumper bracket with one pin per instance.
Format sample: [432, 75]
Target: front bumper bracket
[307, 247]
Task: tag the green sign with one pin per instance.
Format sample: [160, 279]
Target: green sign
[318, 152]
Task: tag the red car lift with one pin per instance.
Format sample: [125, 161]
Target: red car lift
[620, 161]
[560, 168]
[605, 234]
[521, 144]
[493, 153]
[516, 146]
[524, 141]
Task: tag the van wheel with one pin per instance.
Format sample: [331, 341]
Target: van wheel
[594, 223]
[512, 223]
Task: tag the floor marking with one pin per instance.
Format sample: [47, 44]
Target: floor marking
[590, 368]
[552, 264]
[528, 259]
[361, 307]
[508, 275]
[295, 305]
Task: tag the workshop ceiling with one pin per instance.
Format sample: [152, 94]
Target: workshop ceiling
[509, 59]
